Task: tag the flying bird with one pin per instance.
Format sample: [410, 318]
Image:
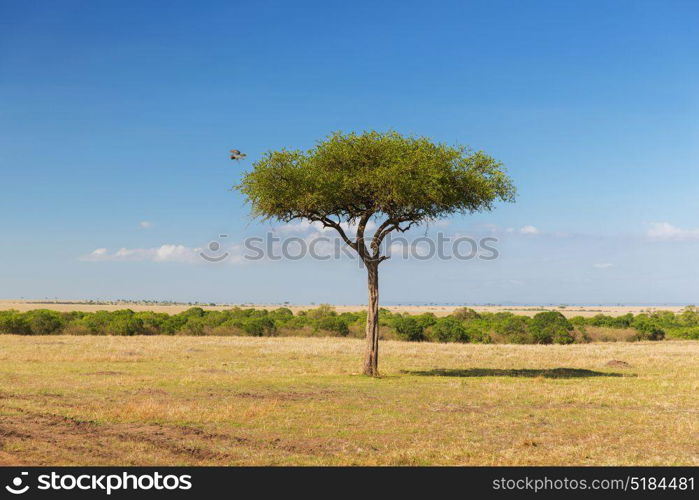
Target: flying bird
[237, 155]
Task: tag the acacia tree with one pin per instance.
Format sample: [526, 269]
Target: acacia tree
[397, 181]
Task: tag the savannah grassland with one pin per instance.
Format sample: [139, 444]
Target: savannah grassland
[437, 310]
[300, 401]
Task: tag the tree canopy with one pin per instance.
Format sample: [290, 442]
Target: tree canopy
[350, 177]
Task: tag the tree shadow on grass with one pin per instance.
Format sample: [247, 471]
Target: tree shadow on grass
[496, 372]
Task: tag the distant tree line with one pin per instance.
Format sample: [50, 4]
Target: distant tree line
[463, 325]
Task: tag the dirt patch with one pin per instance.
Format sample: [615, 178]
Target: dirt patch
[618, 364]
[12, 395]
[91, 441]
[88, 437]
[313, 446]
[11, 433]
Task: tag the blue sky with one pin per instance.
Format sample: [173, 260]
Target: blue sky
[114, 114]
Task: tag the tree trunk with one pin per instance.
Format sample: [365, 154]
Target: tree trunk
[371, 356]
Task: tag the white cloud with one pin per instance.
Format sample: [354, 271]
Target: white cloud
[664, 231]
[529, 230]
[603, 265]
[144, 224]
[163, 253]
[232, 254]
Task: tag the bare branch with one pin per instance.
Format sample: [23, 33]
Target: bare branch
[404, 229]
[379, 236]
[386, 227]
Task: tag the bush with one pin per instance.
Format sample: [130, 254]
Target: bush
[333, 324]
[648, 327]
[478, 334]
[464, 325]
[690, 333]
[582, 335]
[44, 322]
[426, 320]
[689, 316]
[155, 323]
[514, 329]
[409, 328]
[465, 314]
[578, 321]
[551, 327]
[259, 327]
[449, 330]
[282, 313]
[126, 325]
[194, 326]
[96, 323]
[322, 311]
[197, 312]
[14, 322]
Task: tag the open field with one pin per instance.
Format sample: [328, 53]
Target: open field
[249, 400]
[569, 311]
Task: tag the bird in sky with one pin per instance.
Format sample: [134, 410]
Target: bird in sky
[237, 155]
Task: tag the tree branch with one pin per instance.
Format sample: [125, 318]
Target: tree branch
[327, 222]
[388, 226]
[379, 236]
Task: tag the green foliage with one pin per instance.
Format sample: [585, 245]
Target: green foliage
[649, 326]
[196, 312]
[689, 316]
[322, 311]
[578, 321]
[282, 314]
[449, 330]
[462, 326]
[350, 175]
[514, 329]
[44, 322]
[14, 322]
[260, 327]
[426, 320]
[157, 323]
[689, 333]
[478, 334]
[409, 328]
[465, 314]
[551, 327]
[611, 321]
[333, 324]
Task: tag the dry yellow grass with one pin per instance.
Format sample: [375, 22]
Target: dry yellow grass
[227, 400]
[570, 311]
